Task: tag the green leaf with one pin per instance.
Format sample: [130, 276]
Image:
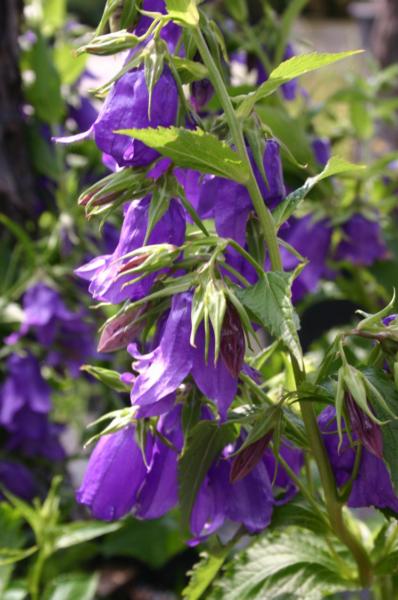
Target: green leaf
[82, 531]
[54, 15]
[203, 574]
[299, 514]
[153, 542]
[334, 166]
[389, 430]
[81, 586]
[183, 11]
[11, 537]
[286, 565]
[288, 70]
[189, 70]
[10, 556]
[193, 150]
[203, 446]
[160, 202]
[107, 376]
[269, 300]
[69, 66]
[44, 93]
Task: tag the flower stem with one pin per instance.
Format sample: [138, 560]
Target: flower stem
[333, 505]
[264, 215]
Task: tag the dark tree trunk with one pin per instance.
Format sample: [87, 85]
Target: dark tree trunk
[385, 33]
[17, 198]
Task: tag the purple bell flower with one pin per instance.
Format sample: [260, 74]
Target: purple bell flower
[104, 272]
[33, 434]
[114, 475]
[362, 243]
[372, 486]
[127, 106]
[159, 492]
[164, 369]
[229, 202]
[312, 240]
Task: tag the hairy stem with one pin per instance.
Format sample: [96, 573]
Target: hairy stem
[333, 505]
[264, 215]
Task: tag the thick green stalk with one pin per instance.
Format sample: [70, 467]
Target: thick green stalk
[333, 505]
[264, 215]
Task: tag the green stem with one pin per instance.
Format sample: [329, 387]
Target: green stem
[264, 215]
[334, 508]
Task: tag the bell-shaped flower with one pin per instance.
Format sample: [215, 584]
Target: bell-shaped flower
[128, 106]
[114, 475]
[372, 485]
[164, 369]
[229, 203]
[105, 273]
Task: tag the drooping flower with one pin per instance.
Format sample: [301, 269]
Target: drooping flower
[249, 500]
[162, 371]
[366, 430]
[372, 485]
[127, 107]
[311, 239]
[114, 475]
[105, 273]
[229, 203]
[362, 243]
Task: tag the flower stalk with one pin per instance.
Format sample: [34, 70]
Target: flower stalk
[333, 505]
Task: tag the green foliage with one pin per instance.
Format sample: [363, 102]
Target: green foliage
[203, 574]
[72, 585]
[269, 302]
[153, 542]
[183, 11]
[107, 377]
[288, 70]
[192, 150]
[292, 564]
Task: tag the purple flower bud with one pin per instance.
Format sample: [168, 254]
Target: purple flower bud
[389, 319]
[246, 460]
[121, 331]
[232, 347]
[367, 431]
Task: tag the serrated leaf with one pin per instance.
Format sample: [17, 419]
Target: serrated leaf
[203, 574]
[299, 514]
[293, 564]
[334, 166]
[269, 300]
[192, 150]
[183, 11]
[288, 70]
[203, 446]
